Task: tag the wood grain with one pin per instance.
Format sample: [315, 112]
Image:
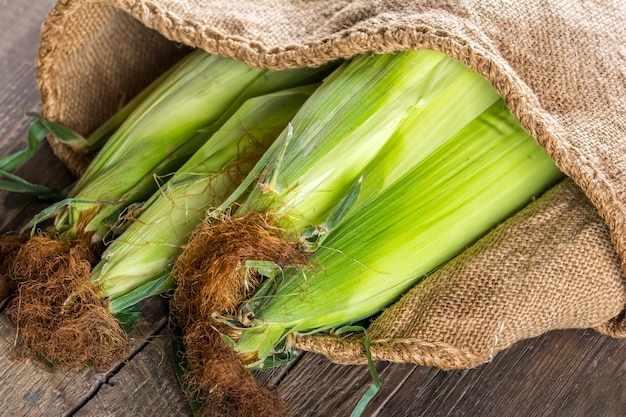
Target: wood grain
[146, 385]
[562, 373]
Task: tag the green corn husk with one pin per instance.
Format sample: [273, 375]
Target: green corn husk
[395, 164]
[163, 132]
[353, 114]
[137, 263]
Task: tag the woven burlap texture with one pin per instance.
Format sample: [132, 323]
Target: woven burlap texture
[560, 66]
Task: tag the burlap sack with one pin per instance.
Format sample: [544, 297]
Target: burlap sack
[561, 67]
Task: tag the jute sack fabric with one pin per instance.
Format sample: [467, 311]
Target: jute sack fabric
[560, 66]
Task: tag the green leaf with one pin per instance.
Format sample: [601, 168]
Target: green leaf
[346, 203]
[229, 341]
[63, 133]
[128, 318]
[276, 359]
[267, 269]
[13, 183]
[313, 237]
[150, 288]
[52, 210]
[36, 133]
[373, 389]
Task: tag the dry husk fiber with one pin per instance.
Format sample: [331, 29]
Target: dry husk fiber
[560, 66]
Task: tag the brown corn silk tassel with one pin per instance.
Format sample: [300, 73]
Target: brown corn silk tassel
[59, 314]
[10, 243]
[212, 279]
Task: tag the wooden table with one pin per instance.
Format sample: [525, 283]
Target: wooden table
[563, 373]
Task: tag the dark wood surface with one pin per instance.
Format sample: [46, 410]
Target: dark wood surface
[563, 373]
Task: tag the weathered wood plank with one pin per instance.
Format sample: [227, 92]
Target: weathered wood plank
[146, 385]
[534, 377]
[27, 389]
[563, 373]
[316, 387]
[19, 39]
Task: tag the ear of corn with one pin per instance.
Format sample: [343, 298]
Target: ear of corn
[136, 264]
[460, 191]
[429, 189]
[353, 114]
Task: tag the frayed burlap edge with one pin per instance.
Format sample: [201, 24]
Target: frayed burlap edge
[351, 351]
